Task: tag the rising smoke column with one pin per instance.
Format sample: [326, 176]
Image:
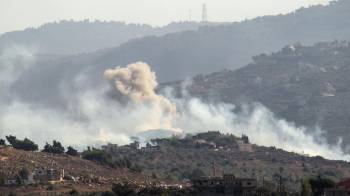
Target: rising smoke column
[95, 118]
[138, 83]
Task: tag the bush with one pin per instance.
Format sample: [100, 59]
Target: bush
[318, 185]
[2, 142]
[23, 173]
[108, 193]
[196, 173]
[154, 176]
[2, 180]
[102, 157]
[25, 144]
[136, 168]
[73, 192]
[306, 188]
[124, 189]
[96, 155]
[71, 151]
[51, 187]
[55, 148]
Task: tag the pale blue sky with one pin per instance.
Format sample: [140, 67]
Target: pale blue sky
[19, 14]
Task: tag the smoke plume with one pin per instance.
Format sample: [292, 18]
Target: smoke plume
[138, 84]
[130, 106]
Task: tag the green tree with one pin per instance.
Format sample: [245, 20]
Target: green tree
[2, 142]
[196, 173]
[73, 192]
[98, 155]
[71, 151]
[55, 148]
[2, 180]
[108, 193]
[319, 184]
[306, 188]
[124, 189]
[23, 173]
[57, 145]
[25, 144]
[136, 168]
[11, 139]
[154, 175]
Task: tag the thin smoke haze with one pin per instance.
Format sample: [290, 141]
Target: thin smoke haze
[134, 107]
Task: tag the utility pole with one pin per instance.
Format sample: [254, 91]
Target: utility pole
[214, 169]
[204, 13]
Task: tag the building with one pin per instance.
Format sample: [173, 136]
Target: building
[227, 185]
[11, 180]
[244, 147]
[110, 148]
[44, 175]
[41, 175]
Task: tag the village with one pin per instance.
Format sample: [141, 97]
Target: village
[90, 172]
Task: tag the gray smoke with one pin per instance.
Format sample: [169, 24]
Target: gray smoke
[94, 117]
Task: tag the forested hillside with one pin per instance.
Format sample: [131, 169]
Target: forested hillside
[308, 85]
[184, 54]
[178, 159]
[71, 37]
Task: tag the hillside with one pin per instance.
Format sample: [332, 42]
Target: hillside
[308, 85]
[93, 177]
[172, 160]
[184, 54]
[179, 55]
[195, 155]
[70, 37]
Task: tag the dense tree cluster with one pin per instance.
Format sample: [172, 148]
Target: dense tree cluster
[94, 154]
[103, 157]
[319, 184]
[2, 142]
[25, 144]
[28, 145]
[55, 148]
[23, 173]
[71, 151]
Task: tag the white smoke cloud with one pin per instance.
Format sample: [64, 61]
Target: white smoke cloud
[13, 61]
[259, 123]
[95, 118]
[138, 83]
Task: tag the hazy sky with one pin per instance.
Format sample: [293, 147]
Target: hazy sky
[19, 14]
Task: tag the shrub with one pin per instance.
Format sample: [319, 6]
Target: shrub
[55, 148]
[108, 193]
[71, 151]
[136, 168]
[73, 192]
[2, 180]
[124, 189]
[25, 144]
[23, 173]
[318, 185]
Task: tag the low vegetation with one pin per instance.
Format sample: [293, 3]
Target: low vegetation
[177, 160]
[103, 157]
[25, 144]
[55, 148]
